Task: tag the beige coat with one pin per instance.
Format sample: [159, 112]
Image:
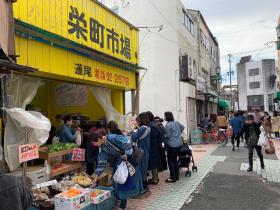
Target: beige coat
[275, 123]
[221, 122]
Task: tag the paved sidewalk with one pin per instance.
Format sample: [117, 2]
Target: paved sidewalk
[271, 172]
[172, 196]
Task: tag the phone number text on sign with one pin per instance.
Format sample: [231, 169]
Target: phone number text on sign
[101, 75]
[28, 152]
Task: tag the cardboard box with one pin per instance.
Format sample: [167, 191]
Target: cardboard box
[100, 198]
[75, 203]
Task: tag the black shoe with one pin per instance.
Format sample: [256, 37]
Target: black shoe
[177, 178]
[150, 181]
[233, 149]
[170, 180]
[262, 166]
[250, 169]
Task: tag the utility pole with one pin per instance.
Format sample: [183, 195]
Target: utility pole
[229, 62]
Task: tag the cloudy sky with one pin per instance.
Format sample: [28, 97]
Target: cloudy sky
[241, 26]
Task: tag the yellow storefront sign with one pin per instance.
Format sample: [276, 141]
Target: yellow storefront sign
[85, 22]
[56, 63]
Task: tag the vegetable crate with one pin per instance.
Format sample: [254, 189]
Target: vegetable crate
[108, 204]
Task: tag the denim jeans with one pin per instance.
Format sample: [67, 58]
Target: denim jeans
[172, 154]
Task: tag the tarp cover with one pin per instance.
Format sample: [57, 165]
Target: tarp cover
[19, 122]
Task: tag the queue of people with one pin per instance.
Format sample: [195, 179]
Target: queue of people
[152, 138]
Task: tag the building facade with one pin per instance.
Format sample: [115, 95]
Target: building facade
[256, 84]
[278, 44]
[180, 54]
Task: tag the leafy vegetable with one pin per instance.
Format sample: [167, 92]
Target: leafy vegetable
[60, 147]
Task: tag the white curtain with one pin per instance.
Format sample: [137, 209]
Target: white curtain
[22, 90]
[103, 96]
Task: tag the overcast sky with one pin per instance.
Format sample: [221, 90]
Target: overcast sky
[240, 26]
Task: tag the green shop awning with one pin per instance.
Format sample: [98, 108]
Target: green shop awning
[212, 93]
[224, 103]
[277, 96]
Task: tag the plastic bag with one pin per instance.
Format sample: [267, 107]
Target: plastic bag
[78, 138]
[263, 139]
[121, 173]
[19, 124]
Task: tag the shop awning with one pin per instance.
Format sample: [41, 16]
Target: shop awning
[224, 103]
[212, 93]
[277, 96]
[7, 67]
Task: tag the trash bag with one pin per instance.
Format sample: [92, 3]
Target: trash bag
[121, 173]
[20, 123]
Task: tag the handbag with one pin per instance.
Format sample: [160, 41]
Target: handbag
[137, 155]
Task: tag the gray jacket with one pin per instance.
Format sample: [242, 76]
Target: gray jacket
[13, 194]
[173, 134]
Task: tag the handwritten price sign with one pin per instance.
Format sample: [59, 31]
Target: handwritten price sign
[28, 152]
[78, 154]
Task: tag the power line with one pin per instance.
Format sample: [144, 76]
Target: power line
[162, 15]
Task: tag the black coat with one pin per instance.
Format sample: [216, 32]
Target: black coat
[155, 145]
[246, 130]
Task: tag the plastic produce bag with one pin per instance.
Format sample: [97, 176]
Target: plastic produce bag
[78, 138]
[263, 139]
[19, 123]
[121, 173]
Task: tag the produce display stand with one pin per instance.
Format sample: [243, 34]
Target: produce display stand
[67, 166]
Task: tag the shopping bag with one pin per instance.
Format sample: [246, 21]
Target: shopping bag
[262, 139]
[78, 138]
[131, 169]
[271, 149]
[121, 173]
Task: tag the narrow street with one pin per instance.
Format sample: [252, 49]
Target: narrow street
[221, 182]
[230, 186]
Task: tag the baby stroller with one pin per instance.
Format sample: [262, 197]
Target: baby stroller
[185, 158]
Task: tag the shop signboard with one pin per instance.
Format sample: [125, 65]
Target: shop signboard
[53, 62]
[201, 84]
[28, 152]
[78, 154]
[85, 22]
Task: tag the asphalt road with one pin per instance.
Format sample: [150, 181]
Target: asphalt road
[228, 188]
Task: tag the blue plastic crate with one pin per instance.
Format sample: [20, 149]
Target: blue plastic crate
[108, 204]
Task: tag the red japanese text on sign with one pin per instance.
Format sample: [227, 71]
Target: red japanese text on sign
[78, 154]
[28, 152]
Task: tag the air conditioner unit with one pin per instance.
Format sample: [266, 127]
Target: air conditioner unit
[190, 68]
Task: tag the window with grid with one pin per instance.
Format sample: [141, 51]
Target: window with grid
[254, 85]
[254, 72]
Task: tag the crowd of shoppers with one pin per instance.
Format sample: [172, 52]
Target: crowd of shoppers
[153, 138]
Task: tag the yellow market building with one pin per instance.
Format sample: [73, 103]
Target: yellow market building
[77, 46]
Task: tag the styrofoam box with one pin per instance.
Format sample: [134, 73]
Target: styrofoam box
[36, 173]
[105, 195]
[75, 203]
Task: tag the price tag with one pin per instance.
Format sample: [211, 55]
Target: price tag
[28, 152]
[78, 154]
[46, 184]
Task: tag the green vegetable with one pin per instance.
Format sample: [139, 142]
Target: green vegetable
[60, 147]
